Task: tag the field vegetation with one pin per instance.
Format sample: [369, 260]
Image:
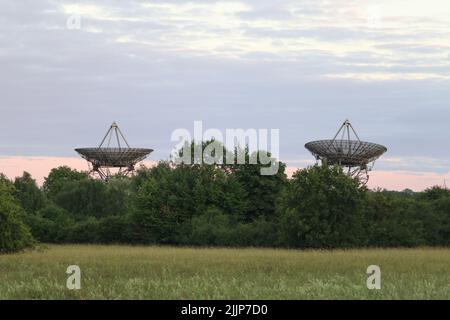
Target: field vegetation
[164, 272]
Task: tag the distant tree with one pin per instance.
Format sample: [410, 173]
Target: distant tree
[211, 228]
[394, 220]
[322, 207]
[442, 208]
[119, 192]
[50, 224]
[58, 177]
[14, 234]
[435, 193]
[436, 219]
[172, 195]
[262, 191]
[408, 192]
[91, 197]
[224, 204]
[30, 196]
[143, 173]
[84, 231]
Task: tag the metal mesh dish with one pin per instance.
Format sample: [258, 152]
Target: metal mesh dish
[356, 156]
[113, 157]
[346, 152]
[106, 159]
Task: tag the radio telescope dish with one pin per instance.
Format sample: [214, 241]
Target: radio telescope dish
[355, 156]
[107, 157]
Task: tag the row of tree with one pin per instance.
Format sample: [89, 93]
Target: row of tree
[223, 205]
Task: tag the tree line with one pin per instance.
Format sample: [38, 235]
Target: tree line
[219, 205]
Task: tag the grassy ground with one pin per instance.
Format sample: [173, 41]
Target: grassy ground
[125, 272]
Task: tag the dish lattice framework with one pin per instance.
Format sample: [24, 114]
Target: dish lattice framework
[356, 156]
[106, 159]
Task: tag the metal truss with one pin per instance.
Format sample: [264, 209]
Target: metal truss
[106, 161]
[348, 151]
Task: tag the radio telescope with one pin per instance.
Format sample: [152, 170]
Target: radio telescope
[108, 159]
[348, 151]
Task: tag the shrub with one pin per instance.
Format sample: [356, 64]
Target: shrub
[14, 234]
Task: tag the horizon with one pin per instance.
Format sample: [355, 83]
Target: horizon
[393, 181]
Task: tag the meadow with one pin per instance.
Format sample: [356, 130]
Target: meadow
[159, 272]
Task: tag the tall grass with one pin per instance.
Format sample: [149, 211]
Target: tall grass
[131, 272]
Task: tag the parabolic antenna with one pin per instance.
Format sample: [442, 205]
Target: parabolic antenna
[108, 159]
[355, 156]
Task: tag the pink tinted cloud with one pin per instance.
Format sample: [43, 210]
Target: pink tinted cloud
[400, 180]
[39, 167]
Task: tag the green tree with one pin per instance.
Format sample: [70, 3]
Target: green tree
[59, 177]
[50, 224]
[322, 207]
[435, 193]
[262, 191]
[172, 195]
[30, 196]
[436, 219]
[394, 219]
[93, 198]
[14, 234]
[245, 173]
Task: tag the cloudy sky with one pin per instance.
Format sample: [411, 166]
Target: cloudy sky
[70, 68]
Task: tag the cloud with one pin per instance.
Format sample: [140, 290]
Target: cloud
[401, 180]
[39, 167]
[156, 66]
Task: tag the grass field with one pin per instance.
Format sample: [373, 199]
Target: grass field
[126, 272]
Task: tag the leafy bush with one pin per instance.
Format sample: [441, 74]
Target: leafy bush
[50, 224]
[212, 228]
[85, 231]
[28, 193]
[14, 234]
[322, 207]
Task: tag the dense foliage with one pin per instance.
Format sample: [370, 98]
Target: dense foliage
[14, 234]
[219, 205]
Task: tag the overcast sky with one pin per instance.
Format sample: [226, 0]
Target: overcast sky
[299, 66]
